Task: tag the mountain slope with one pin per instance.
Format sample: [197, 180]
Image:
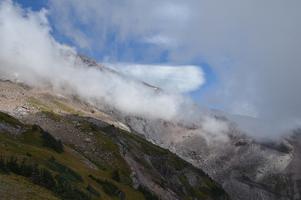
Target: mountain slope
[78, 152]
[246, 168]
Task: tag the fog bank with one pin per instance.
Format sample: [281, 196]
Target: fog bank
[31, 55]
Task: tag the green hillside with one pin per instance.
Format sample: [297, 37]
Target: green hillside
[40, 166]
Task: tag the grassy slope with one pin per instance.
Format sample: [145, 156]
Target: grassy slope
[29, 145]
[18, 187]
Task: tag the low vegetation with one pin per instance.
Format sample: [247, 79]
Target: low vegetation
[108, 187]
[9, 120]
[43, 177]
[41, 159]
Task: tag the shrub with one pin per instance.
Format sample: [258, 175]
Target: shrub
[65, 171]
[108, 187]
[92, 191]
[50, 142]
[116, 176]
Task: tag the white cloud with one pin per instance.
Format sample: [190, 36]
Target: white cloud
[160, 40]
[254, 46]
[175, 79]
[214, 130]
[30, 54]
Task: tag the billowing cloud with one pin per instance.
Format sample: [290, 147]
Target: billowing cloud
[253, 46]
[175, 79]
[30, 54]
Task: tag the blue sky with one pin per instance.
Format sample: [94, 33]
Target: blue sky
[33, 4]
[130, 50]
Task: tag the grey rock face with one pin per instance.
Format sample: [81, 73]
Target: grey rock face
[246, 168]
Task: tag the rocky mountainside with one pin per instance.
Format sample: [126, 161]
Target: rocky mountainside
[116, 144]
[245, 167]
[58, 147]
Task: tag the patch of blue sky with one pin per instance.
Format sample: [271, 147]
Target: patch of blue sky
[32, 4]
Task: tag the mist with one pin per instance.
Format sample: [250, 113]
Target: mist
[253, 47]
[255, 57]
[29, 54]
